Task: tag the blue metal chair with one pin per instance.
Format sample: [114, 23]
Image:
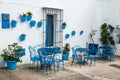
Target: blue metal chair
[46, 58]
[113, 51]
[107, 52]
[58, 58]
[34, 57]
[76, 57]
[91, 53]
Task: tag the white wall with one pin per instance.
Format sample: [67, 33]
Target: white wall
[79, 15]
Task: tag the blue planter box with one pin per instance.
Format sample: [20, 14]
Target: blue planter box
[23, 18]
[29, 18]
[20, 53]
[13, 24]
[11, 65]
[65, 56]
[22, 37]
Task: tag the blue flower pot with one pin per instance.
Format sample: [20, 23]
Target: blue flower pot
[29, 17]
[73, 33]
[65, 56]
[32, 23]
[23, 18]
[63, 26]
[13, 24]
[22, 37]
[20, 53]
[111, 30]
[67, 36]
[11, 65]
[39, 24]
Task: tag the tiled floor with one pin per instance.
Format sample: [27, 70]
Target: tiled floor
[101, 71]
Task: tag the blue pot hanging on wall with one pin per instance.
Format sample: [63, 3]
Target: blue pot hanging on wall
[32, 23]
[111, 30]
[73, 33]
[63, 27]
[29, 17]
[22, 37]
[39, 24]
[67, 36]
[23, 18]
[13, 23]
[81, 32]
[11, 65]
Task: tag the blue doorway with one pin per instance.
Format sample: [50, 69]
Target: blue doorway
[49, 30]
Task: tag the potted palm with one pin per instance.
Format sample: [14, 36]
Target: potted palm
[12, 55]
[66, 50]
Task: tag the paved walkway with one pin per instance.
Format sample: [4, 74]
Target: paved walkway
[101, 71]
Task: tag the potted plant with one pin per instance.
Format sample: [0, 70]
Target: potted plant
[12, 55]
[32, 23]
[13, 23]
[111, 28]
[22, 37]
[73, 33]
[64, 25]
[23, 17]
[39, 24]
[29, 16]
[66, 50]
[106, 35]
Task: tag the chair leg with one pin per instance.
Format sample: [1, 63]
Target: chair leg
[90, 63]
[94, 62]
[37, 66]
[46, 69]
[63, 65]
[54, 68]
[58, 66]
[31, 64]
[80, 63]
[72, 62]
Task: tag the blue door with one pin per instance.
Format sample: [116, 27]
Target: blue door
[49, 30]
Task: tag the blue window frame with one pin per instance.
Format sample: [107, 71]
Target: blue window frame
[49, 30]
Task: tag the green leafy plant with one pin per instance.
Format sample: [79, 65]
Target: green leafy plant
[106, 36]
[9, 53]
[66, 48]
[64, 23]
[29, 13]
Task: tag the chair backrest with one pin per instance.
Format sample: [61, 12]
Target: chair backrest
[32, 51]
[93, 49]
[114, 49]
[37, 46]
[74, 52]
